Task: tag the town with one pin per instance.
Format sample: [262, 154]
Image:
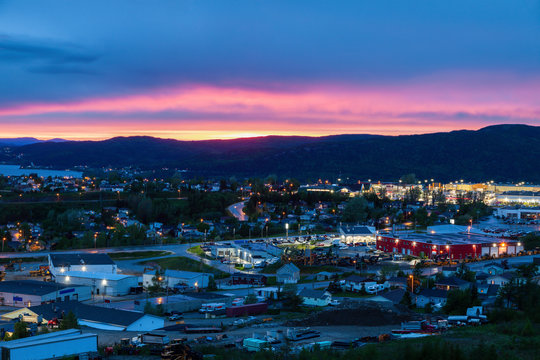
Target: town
[121, 262]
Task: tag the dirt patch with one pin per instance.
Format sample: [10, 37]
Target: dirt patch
[358, 314]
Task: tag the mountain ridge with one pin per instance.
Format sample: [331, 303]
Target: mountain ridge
[499, 152]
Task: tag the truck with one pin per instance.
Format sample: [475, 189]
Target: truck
[211, 307]
[249, 309]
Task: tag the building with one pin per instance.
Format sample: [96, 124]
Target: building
[248, 279]
[431, 296]
[532, 213]
[452, 283]
[96, 263]
[493, 269]
[101, 283]
[519, 197]
[312, 297]
[357, 283]
[502, 279]
[70, 343]
[392, 296]
[357, 234]
[171, 278]
[288, 274]
[21, 293]
[91, 316]
[454, 246]
[244, 251]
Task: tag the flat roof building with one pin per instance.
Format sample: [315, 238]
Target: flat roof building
[451, 245]
[59, 263]
[21, 293]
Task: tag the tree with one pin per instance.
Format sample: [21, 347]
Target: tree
[464, 273]
[428, 308]
[409, 179]
[212, 286]
[20, 330]
[355, 210]
[407, 300]
[158, 282]
[69, 322]
[250, 299]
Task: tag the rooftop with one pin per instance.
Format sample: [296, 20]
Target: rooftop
[87, 312]
[31, 287]
[449, 239]
[95, 275]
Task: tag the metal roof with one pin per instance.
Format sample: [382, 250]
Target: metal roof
[32, 287]
[88, 313]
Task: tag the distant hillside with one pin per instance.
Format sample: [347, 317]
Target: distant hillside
[502, 152]
[24, 141]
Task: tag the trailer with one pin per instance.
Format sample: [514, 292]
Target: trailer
[59, 344]
[155, 339]
[249, 309]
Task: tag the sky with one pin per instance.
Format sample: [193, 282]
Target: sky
[196, 69]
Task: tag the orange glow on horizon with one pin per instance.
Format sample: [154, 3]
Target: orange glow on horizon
[204, 112]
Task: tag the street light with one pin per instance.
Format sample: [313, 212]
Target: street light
[287, 231]
[411, 276]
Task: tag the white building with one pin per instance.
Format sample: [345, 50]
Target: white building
[357, 234]
[175, 277]
[100, 283]
[97, 263]
[315, 297]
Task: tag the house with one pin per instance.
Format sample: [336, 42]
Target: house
[493, 269]
[268, 292]
[392, 296]
[248, 279]
[288, 274]
[449, 271]
[451, 283]
[357, 283]
[91, 316]
[325, 275]
[503, 279]
[312, 297]
[21, 293]
[96, 263]
[431, 296]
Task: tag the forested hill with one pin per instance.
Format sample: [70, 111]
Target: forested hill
[501, 152]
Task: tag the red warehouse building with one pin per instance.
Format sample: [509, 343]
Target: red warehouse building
[454, 246]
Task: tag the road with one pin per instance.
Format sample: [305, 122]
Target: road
[236, 211]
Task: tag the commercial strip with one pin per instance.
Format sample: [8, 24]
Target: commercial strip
[453, 246]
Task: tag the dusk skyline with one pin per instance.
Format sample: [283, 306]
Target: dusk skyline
[204, 70]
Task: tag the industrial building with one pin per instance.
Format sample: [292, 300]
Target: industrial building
[60, 263]
[21, 293]
[101, 283]
[453, 246]
[91, 316]
[175, 277]
[54, 345]
[532, 213]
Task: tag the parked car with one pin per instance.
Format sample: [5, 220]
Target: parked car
[175, 317]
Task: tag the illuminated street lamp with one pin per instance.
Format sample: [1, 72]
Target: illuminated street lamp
[287, 231]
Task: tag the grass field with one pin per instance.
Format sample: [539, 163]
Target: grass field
[130, 255]
[187, 264]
